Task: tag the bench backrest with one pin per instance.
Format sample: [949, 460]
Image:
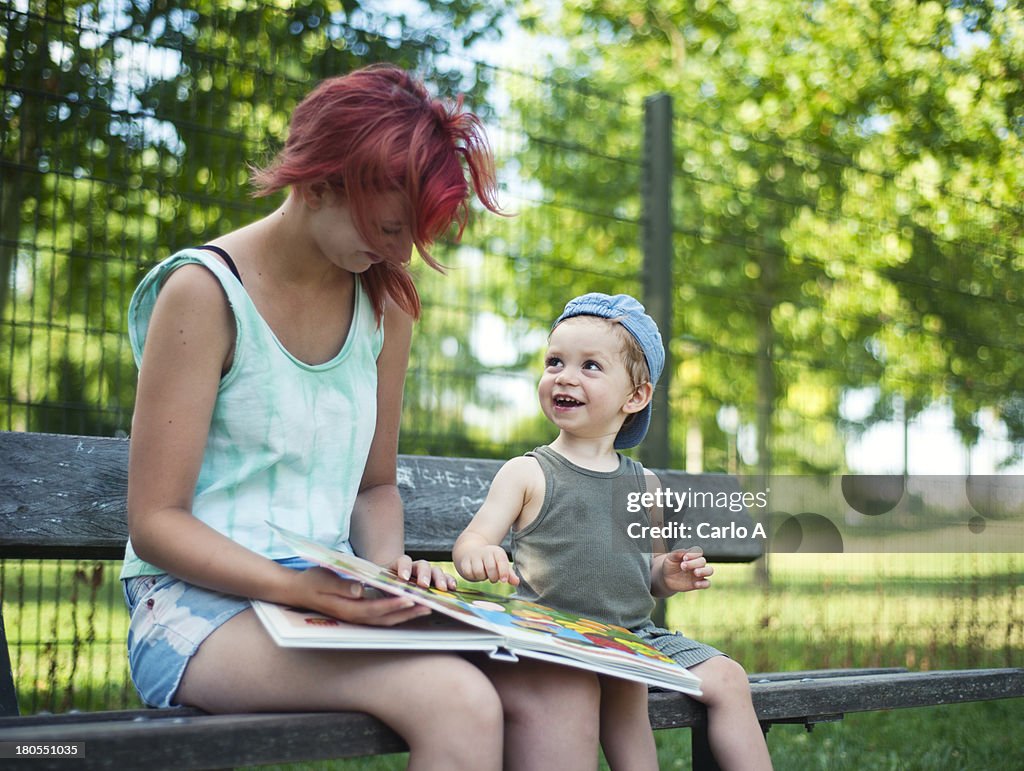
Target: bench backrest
[64, 497]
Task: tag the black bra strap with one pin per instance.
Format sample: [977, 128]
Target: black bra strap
[227, 259]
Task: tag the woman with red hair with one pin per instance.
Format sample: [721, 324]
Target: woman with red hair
[271, 367]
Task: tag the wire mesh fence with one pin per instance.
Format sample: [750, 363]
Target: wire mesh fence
[66, 624]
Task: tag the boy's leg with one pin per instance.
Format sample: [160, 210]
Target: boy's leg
[444, 707]
[551, 714]
[626, 735]
[733, 729]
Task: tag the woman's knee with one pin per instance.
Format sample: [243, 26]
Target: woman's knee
[479, 703]
[451, 708]
[582, 686]
[565, 693]
[462, 691]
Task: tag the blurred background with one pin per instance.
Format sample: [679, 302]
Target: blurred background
[820, 202]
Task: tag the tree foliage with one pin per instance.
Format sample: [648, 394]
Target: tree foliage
[847, 200]
[128, 131]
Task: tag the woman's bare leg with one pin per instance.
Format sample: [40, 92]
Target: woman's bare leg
[444, 707]
[551, 714]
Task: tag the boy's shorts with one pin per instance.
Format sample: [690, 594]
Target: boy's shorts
[685, 652]
[169, 621]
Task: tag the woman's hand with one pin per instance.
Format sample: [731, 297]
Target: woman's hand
[325, 592]
[422, 573]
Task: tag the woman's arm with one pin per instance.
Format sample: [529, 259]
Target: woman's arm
[187, 346]
[377, 530]
[188, 343]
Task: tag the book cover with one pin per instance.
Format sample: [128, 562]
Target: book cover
[503, 626]
[299, 628]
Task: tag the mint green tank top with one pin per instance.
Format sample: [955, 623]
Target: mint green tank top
[288, 441]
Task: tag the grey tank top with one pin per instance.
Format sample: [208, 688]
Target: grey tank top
[577, 555]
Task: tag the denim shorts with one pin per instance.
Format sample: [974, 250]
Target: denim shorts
[169, 621]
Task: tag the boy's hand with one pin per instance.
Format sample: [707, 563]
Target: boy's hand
[487, 563]
[684, 571]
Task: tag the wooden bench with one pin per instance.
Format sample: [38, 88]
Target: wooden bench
[62, 497]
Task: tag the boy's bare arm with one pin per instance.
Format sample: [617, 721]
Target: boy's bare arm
[477, 553]
[681, 570]
[657, 514]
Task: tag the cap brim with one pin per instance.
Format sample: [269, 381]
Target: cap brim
[631, 434]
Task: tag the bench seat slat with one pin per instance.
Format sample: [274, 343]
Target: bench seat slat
[809, 700]
[212, 741]
[185, 738]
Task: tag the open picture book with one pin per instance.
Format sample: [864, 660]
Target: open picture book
[470, 620]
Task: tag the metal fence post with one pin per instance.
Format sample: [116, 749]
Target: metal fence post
[656, 191]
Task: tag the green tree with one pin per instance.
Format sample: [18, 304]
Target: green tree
[847, 202]
[128, 129]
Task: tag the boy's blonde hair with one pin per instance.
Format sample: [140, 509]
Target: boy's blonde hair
[632, 354]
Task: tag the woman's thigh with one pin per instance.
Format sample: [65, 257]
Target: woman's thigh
[239, 668]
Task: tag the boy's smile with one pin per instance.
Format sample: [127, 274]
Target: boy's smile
[565, 402]
[585, 384]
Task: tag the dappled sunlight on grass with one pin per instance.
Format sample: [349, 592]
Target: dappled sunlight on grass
[921, 611]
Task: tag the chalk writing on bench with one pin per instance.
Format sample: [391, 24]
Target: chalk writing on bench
[443, 478]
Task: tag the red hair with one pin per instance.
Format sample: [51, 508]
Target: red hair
[377, 130]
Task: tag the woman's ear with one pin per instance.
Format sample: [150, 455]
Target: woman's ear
[315, 194]
[639, 399]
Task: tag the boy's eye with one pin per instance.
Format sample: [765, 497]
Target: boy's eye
[552, 361]
[592, 365]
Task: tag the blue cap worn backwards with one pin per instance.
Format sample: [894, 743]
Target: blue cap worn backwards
[630, 313]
